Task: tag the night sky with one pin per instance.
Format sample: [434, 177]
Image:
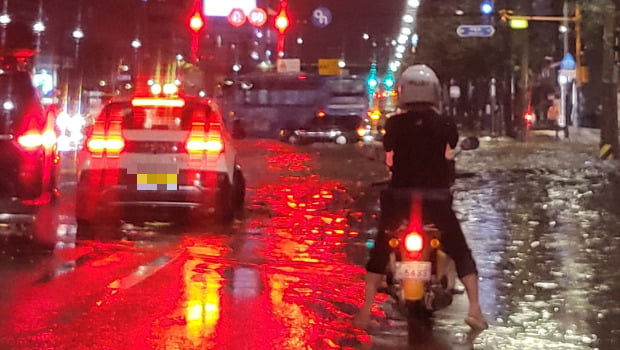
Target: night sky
[110, 21]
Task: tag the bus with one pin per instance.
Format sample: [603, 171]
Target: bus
[265, 103]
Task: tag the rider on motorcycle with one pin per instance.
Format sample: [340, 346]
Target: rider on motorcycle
[417, 143]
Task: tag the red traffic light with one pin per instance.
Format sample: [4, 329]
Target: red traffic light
[282, 22]
[196, 22]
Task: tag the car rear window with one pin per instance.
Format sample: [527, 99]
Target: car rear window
[16, 95]
[157, 117]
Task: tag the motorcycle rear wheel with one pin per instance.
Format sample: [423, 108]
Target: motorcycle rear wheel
[419, 323]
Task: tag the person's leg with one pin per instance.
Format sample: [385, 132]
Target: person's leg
[379, 257]
[362, 319]
[475, 318]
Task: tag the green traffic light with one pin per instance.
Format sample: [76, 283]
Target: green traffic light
[519, 24]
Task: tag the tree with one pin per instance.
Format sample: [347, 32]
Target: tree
[450, 55]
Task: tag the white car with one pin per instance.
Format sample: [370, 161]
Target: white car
[148, 157]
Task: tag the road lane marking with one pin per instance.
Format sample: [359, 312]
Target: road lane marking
[142, 272]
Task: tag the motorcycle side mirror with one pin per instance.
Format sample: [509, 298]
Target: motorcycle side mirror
[470, 143]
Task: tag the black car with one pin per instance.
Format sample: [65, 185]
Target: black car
[28, 158]
[341, 129]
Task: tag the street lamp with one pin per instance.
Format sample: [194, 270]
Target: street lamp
[5, 19]
[136, 43]
[414, 3]
[38, 27]
[78, 34]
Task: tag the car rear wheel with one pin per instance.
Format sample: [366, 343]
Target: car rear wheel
[225, 209]
[238, 191]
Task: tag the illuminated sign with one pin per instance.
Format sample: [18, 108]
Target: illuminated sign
[257, 17]
[219, 8]
[236, 17]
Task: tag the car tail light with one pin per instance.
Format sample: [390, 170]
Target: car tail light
[320, 114]
[37, 132]
[414, 243]
[106, 137]
[202, 140]
[33, 139]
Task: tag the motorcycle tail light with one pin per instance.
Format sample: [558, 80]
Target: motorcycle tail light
[393, 242]
[414, 242]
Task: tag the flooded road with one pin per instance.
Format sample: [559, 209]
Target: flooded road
[541, 220]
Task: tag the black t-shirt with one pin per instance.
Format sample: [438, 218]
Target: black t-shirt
[419, 141]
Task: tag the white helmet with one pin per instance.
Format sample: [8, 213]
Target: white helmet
[418, 84]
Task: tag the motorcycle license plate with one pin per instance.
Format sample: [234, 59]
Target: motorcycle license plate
[413, 270]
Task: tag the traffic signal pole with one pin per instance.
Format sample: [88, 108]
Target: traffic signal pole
[506, 15]
[609, 120]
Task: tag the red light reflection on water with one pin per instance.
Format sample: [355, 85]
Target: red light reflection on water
[290, 285]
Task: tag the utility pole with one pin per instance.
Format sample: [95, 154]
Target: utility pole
[609, 123]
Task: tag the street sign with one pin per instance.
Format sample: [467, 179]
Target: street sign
[237, 17]
[321, 17]
[475, 30]
[568, 62]
[289, 65]
[257, 17]
[329, 66]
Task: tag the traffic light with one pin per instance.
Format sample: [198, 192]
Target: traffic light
[372, 81]
[486, 7]
[388, 81]
[196, 23]
[282, 21]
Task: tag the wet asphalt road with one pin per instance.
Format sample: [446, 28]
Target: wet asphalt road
[541, 219]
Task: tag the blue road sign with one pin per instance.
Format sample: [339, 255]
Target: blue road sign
[475, 30]
[568, 62]
[321, 17]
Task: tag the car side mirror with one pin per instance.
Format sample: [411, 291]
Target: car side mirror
[470, 143]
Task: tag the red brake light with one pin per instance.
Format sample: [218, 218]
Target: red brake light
[106, 137]
[37, 133]
[320, 114]
[199, 142]
[414, 242]
[34, 139]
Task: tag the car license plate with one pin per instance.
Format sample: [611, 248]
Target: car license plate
[155, 176]
[413, 270]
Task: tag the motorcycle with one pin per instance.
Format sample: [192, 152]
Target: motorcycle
[421, 277]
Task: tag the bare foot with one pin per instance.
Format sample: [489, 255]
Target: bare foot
[477, 323]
